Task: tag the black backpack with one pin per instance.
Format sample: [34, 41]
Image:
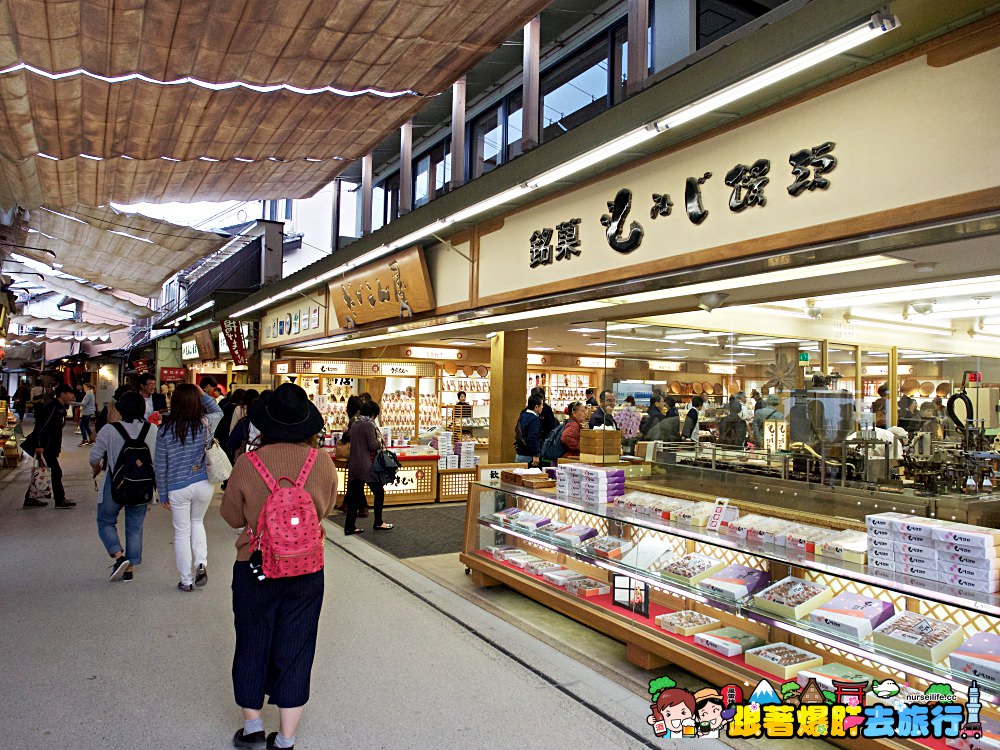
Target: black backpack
[520, 445]
[553, 448]
[133, 479]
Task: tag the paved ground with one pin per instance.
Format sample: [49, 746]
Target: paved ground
[403, 662]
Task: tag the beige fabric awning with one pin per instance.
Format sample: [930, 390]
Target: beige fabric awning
[324, 57]
[55, 326]
[79, 291]
[125, 251]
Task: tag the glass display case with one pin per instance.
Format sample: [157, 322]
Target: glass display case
[781, 577]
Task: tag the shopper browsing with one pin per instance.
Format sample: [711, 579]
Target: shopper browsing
[182, 479]
[604, 415]
[527, 433]
[768, 411]
[106, 455]
[49, 420]
[88, 410]
[147, 389]
[690, 430]
[365, 443]
[547, 417]
[571, 432]
[277, 619]
[655, 413]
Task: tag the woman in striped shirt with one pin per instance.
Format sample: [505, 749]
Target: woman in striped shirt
[182, 479]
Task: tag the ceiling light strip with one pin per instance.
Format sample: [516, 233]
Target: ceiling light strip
[876, 26]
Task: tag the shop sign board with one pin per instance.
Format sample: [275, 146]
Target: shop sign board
[232, 340]
[141, 366]
[206, 344]
[883, 370]
[537, 359]
[665, 365]
[394, 287]
[172, 374]
[296, 321]
[597, 363]
[721, 369]
[189, 350]
[393, 369]
[324, 368]
[281, 368]
[426, 352]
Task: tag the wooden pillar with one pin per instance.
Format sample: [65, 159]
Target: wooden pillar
[638, 25]
[406, 168]
[458, 133]
[508, 373]
[530, 121]
[366, 195]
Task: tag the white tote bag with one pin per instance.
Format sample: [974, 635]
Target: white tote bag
[217, 464]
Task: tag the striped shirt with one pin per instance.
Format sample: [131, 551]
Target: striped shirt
[180, 465]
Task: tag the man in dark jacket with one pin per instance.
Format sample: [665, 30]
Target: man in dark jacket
[655, 413]
[49, 421]
[528, 437]
[732, 427]
[147, 389]
[547, 417]
[605, 414]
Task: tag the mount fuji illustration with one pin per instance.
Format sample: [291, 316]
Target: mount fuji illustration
[764, 694]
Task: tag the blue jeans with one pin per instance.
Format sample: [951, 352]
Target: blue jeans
[107, 527]
[85, 428]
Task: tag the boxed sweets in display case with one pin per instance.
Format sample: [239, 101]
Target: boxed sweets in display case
[499, 550]
[882, 566]
[576, 535]
[971, 561]
[782, 659]
[827, 674]
[946, 568]
[695, 515]
[543, 566]
[950, 548]
[885, 520]
[741, 526]
[929, 552]
[507, 515]
[674, 508]
[687, 622]
[610, 547]
[562, 577]
[901, 558]
[980, 584]
[978, 657]
[531, 521]
[853, 614]
[588, 587]
[768, 531]
[921, 637]
[693, 568]
[523, 561]
[728, 641]
[736, 582]
[849, 546]
[926, 572]
[976, 537]
[792, 597]
[809, 538]
[551, 529]
[537, 483]
[651, 553]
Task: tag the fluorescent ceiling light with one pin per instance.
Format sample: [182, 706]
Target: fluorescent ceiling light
[586, 330]
[497, 200]
[889, 326]
[542, 349]
[877, 26]
[595, 156]
[938, 289]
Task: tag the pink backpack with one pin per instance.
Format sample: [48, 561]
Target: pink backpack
[288, 534]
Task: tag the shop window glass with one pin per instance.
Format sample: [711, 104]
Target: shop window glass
[716, 18]
[391, 186]
[378, 207]
[421, 180]
[288, 210]
[486, 143]
[619, 64]
[441, 164]
[576, 90]
[349, 192]
[515, 131]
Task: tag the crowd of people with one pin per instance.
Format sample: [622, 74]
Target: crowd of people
[142, 446]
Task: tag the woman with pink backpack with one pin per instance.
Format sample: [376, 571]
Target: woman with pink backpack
[279, 495]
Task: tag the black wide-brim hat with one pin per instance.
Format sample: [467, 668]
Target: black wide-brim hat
[287, 415]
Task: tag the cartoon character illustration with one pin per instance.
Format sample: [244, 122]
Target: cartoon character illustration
[885, 689]
[712, 713]
[673, 709]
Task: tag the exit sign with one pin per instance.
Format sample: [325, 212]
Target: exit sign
[803, 356]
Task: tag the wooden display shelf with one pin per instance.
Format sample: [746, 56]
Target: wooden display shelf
[416, 482]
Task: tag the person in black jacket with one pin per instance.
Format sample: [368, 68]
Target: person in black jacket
[147, 389]
[690, 430]
[527, 438]
[50, 418]
[657, 411]
[549, 421]
[732, 427]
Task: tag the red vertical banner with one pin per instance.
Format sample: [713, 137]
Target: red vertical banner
[233, 332]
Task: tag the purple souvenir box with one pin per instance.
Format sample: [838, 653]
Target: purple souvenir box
[853, 614]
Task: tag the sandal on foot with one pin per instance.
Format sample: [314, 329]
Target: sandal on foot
[356, 531]
[384, 527]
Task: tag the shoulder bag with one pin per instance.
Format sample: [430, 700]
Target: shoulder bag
[385, 464]
[217, 464]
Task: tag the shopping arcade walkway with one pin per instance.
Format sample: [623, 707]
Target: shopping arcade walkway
[401, 663]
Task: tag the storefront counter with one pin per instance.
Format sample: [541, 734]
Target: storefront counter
[416, 481]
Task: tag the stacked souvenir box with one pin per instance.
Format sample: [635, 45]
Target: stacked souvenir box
[569, 481]
[728, 641]
[919, 636]
[576, 535]
[792, 597]
[610, 547]
[809, 539]
[687, 622]
[963, 556]
[443, 445]
[587, 587]
[849, 546]
[543, 566]
[467, 455]
[696, 514]
[601, 485]
[451, 462]
[978, 657]
[759, 529]
[601, 443]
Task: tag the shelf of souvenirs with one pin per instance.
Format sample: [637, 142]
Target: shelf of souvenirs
[707, 628]
[918, 645]
[687, 519]
[469, 385]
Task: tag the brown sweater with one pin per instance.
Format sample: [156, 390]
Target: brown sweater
[246, 492]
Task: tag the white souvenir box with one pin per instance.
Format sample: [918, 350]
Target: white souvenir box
[562, 577]
[972, 536]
